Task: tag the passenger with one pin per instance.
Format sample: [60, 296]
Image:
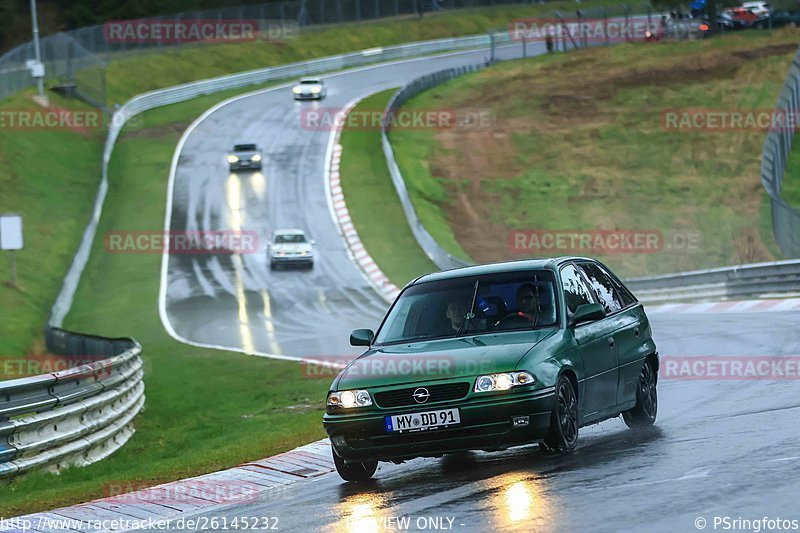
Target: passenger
[456, 312]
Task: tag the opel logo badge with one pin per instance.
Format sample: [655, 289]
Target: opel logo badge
[421, 395]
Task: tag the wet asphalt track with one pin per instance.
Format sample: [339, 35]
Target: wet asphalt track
[720, 447]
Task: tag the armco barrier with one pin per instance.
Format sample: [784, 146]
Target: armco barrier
[780, 278]
[775, 157]
[432, 249]
[75, 416]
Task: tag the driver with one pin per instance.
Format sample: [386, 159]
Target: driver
[527, 303]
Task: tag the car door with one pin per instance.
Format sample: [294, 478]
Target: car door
[597, 349]
[626, 319]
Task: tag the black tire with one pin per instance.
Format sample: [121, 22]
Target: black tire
[563, 434]
[644, 413]
[358, 472]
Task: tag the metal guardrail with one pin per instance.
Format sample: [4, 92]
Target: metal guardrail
[758, 280]
[440, 257]
[774, 158]
[75, 416]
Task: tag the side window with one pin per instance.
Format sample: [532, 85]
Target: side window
[626, 298]
[603, 287]
[575, 291]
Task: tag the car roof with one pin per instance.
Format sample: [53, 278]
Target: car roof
[550, 263]
[288, 232]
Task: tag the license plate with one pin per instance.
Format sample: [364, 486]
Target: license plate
[422, 421]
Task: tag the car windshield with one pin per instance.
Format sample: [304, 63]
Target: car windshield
[309, 82]
[244, 148]
[490, 303]
[289, 239]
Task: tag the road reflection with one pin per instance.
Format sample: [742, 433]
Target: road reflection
[521, 499]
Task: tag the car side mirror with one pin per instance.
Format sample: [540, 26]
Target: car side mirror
[312, 242]
[587, 313]
[361, 337]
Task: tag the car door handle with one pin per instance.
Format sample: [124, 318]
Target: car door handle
[636, 332]
[611, 342]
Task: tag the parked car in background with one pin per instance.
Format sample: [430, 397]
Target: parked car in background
[741, 14]
[759, 8]
[778, 19]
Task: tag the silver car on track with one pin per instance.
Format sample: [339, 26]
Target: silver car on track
[310, 89]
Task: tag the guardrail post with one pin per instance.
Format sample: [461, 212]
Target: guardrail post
[339, 10]
[524, 46]
[358, 9]
[491, 40]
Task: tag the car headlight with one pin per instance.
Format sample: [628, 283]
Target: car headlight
[503, 381]
[349, 398]
[315, 90]
[232, 159]
[307, 252]
[256, 158]
[297, 90]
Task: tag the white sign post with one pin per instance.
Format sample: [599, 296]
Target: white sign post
[11, 239]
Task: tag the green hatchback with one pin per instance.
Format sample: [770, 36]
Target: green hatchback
[493, 356]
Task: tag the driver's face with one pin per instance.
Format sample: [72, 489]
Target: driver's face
[526, 301]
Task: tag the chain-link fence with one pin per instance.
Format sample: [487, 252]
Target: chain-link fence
[66, 54]
[775, 155]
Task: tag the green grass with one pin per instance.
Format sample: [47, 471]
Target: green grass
[578, 143]
[368, 189]
[205, 409]
[50, 177]
[129, 77]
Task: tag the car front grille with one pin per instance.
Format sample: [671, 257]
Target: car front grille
[438, 393]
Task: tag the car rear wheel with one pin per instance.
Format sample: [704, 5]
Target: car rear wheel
[644, 413]
[354, 471]
[563, 434]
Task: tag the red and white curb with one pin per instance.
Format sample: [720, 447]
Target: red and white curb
[246, 483]
[344, 223]
[746, 306]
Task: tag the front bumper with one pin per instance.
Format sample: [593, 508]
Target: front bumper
[486, 424]
[292, 260]
[245, 165]
[309, 96]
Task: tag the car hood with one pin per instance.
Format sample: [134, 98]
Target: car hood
[244, 155]
[306, 87]
[292, 248]
[423, 362]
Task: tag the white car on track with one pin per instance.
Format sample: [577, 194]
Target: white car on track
[290, 247]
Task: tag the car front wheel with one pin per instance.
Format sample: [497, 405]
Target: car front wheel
[563, 434]
[643, 414]
[354, 471]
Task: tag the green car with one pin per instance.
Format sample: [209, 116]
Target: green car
[493, 356]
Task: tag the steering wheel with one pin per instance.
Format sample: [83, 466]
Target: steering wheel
[516, 315]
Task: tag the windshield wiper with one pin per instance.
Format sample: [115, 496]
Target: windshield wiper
[470, 315]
